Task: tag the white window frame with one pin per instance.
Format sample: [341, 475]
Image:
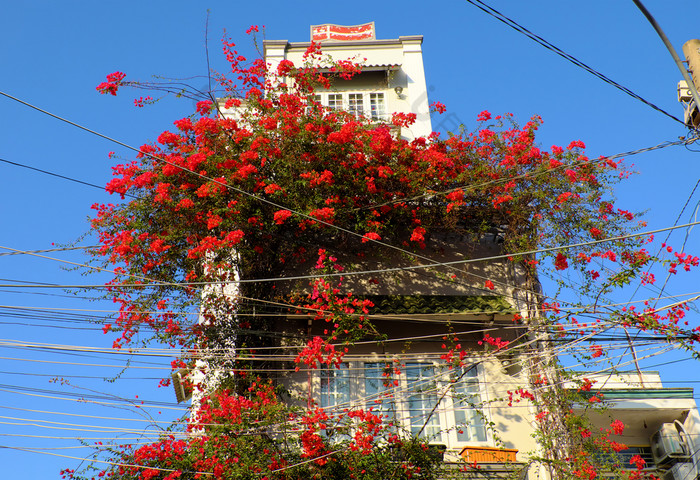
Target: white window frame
[372, 104]
[377, 107]
[444, 421]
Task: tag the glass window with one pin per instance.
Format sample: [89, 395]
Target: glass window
[356, 104]
[335, 387]
[436, 404]
[380, 390]
[422, 400]
[335, 101]
[376, 105]
[469, 422]
[623, 458]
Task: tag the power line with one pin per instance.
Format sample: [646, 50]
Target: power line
[54, 174]
[242, 192]
[86, 397]
[89, 315]
[82, 415]
[536, 38]
[370, 272]
[60, 249]
[118, 464]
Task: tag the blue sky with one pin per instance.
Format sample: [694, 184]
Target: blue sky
[55, 53]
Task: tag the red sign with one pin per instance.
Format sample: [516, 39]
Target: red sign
[342, 33]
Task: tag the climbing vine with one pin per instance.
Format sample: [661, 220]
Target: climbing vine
[256, 206]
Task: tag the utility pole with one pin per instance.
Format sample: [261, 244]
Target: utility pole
[692, 115]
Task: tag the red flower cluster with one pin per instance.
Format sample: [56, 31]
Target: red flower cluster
[114, 81]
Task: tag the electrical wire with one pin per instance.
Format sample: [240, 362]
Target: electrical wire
[261, 199]
[96, 400]
[47, 250]
[55, 175]
[365, 272]
[106, 462]
[536, 38]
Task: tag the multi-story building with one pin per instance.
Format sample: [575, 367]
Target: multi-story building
[469, 410]
[662, 425]
[404, 377]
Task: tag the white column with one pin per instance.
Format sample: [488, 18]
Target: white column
[417, 91]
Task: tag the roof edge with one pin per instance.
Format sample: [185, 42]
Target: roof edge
[354, 43]
[637, 393]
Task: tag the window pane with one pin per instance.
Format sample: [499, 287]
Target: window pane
[376, 105]
[335, 387]
[469, 421]
[379, 391]
[355, 104]
[335, 101]
[422, 400]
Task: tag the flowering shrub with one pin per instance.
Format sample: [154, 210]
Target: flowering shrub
[221, 205]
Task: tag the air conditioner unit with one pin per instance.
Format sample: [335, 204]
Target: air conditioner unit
[667, 446]
[680, 471]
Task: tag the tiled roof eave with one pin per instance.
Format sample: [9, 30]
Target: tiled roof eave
[438, 304]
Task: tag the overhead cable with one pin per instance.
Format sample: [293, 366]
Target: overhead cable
[375, 271]
[519, 28]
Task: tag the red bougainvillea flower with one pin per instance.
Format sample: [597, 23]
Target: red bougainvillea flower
[370, 236]
[560, 262]
[618, 427]
[484, 116]
[281, 215]
[114, 81]
[438, 107]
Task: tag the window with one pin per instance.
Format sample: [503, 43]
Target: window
[422, 400]
[643, 451]
[623, 458]
[470, 422]
[376, 106]
[335, 392]
[335, 101]
[368, 105]
[335, 387]
[355, 104]
[425, 398]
